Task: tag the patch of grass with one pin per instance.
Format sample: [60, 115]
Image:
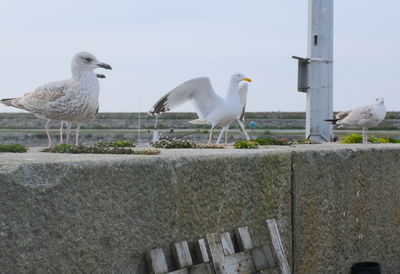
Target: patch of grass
[174, 143]
[13, 148]
[269, 141]
[357, 139]
[272, 141]
[99, 148]
[247, 144]
[304, 142]
[212, 146]
[119, 143]
[352, 139]
[180, 143]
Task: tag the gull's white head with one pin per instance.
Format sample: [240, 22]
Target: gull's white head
[238, 77]
[379, 101]
[85, 61]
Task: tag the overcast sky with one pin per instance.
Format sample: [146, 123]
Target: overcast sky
[154, 45]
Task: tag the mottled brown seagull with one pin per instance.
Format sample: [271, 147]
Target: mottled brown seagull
[72, 100]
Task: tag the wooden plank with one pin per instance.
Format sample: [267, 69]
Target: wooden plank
[227, 243]
[157, 262]
[239, 263]
[269, 255]
[206, 268]
[216, 251]
[214, 242]
[201, 251]
[262, 257]
[259, 259]
[243, 237]
[278, 246]
[180, 271]
[182, 254]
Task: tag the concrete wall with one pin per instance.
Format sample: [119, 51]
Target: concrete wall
[263, 120]
[335, 205]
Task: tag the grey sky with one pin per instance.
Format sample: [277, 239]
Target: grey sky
[155, 45]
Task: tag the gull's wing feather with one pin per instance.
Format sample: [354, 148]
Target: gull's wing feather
[36, 101]
[343, 114]
[199, 91]
[243, 97]
[354, 116]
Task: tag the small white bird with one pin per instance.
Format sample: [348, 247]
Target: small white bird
[364, 117]
[72, 100]
[210, 108]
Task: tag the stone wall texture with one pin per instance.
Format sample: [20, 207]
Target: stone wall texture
[263, 120]
[335, 205]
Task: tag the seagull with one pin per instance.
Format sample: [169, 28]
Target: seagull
[364, 117]
[69, 124]
[240, 119]
[72, 100]
[210, 108]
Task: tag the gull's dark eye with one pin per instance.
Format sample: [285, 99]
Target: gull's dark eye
[87, 59]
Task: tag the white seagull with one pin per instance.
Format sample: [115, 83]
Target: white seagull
[69, 124]
[210, 108]
[364, 117]
[72, 100]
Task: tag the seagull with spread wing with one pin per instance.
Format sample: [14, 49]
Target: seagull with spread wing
[210, 108]
[72, 100]
[364, 117]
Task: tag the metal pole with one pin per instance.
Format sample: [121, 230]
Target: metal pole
[320, 52]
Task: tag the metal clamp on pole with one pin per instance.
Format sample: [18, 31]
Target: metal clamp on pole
[302, 75]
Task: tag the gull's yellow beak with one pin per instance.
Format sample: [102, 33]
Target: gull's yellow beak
[247, 79]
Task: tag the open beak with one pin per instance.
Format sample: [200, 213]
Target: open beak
[104, 66]
[247, 79]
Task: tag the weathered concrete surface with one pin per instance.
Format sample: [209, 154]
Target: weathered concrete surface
[335, 205]
[263, 120]
[346, 208]
[98, 214]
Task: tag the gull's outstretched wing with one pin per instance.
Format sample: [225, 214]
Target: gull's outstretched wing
[36, 101]
[243, 97]
[199, 91]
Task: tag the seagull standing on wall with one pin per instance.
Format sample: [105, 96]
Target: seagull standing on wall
[210, 108]
[69, 124]
[364, 117]
[73, 100]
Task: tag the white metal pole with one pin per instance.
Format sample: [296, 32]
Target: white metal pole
[320, 52]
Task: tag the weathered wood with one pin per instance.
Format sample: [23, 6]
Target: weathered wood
[227, 243]
[278, 246]
[180, 271]
[243, 237]
[182, 254]
[157, 262]
[262, 257]
[206, 268]
[271, 260]
[216, 251]
[201, 251]
[237, 263]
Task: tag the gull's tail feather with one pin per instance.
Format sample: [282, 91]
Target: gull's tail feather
[8, 102]
[332, 121]
[198, 122]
